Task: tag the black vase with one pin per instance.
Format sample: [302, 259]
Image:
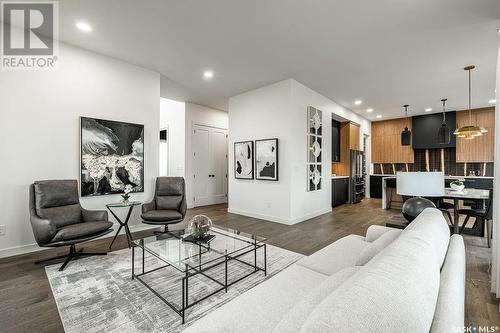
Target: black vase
[414, 206]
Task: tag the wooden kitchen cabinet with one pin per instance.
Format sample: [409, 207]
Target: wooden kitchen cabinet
[349, 139]
[479, 149]
[354, 136]
[386, 142]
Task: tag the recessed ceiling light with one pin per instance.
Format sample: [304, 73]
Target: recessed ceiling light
[428, 110]
[358, 102]
[492, 101]
[208, 75]
[370, 110]
[85, 27]
[379, 116]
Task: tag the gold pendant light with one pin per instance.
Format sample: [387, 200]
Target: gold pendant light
[470, 131]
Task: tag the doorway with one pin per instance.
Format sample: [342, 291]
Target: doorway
[209, 145]
[164, 142]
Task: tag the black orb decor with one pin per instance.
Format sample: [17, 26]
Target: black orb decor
[414, 206]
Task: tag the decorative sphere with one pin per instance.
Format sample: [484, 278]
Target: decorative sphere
[414, 206]
[199, 226]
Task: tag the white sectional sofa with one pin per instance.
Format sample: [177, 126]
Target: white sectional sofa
[389, 281]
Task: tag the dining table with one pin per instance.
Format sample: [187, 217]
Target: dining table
[465, 194]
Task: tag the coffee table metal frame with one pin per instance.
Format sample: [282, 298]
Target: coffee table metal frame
[202, 268]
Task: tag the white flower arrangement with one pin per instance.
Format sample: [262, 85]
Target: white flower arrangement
[128, 189]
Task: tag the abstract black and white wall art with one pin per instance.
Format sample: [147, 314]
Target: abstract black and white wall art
[266, 165]
[314, 148]
[243, 160]
[314, 121]
[314, 179]
[112, 156]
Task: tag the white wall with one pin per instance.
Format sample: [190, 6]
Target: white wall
[280, 110]
[306, 204]
[39, 127]
[495, 243]
[304, 96]
[199, 115]
[260, 114]
[173, 116]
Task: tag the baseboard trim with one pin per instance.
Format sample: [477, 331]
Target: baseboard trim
[29, 248]
[259, 216]
[279, 219]
[311, 215]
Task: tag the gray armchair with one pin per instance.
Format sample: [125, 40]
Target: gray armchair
[57, 219]
[169, 203]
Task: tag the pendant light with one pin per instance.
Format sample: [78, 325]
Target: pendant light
[444, 134]
[470, 131]
[406, 134]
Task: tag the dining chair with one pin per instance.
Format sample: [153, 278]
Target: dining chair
[444, 207]
[483, 216]
[390, 184]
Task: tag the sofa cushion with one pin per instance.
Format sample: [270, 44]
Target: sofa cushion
[162, 215]
[54, 193]
[377, 245]
[167, 186]
[168, 202]
[295, 318]
[80, 230]
[262, 307]
[57, 201]
[432, 225]
[450, 306]
[381, 296]
[375, 231]
[62, 215]
[336, 256]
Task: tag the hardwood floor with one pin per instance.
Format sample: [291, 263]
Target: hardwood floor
[27, 304]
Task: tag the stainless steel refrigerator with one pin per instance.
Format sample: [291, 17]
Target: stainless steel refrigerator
[357, 176]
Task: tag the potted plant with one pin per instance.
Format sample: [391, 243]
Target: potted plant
[126, 195]
[458, 185]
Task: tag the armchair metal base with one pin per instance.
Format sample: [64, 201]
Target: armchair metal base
[73, 254]
[166, 232]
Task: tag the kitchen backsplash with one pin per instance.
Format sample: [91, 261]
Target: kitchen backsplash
[451, 167]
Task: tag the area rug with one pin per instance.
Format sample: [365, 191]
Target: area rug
[97, 294]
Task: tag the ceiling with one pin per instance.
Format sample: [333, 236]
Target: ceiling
[386, 53]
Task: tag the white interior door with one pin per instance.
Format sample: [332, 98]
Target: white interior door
[218, 147]
[209, 165]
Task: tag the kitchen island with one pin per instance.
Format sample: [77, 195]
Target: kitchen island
[477, 182]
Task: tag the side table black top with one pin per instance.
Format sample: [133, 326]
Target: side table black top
[123, 224]
[397, 221]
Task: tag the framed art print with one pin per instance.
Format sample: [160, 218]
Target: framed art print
[243, 160]
[266, 161]
[111, 156]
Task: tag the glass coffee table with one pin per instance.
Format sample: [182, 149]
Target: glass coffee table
[190, 259]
